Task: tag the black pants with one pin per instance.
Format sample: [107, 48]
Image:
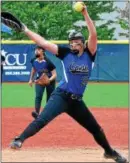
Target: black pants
[60, 102]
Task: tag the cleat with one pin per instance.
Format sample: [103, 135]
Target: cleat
[16, 143]
[35, 115]
[117, 157]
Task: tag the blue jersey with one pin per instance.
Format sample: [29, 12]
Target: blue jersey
[76, 70]
[42, 66]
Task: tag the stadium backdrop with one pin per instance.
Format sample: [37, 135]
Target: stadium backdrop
[111, 64]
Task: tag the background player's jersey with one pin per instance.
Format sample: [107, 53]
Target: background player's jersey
[76, 70]
[42, 66]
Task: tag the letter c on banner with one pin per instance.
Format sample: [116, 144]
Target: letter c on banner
[8, 62]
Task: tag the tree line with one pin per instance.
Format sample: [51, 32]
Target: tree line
[54, 20]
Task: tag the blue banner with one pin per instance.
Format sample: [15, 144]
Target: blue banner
[17, 64]
[111, 64]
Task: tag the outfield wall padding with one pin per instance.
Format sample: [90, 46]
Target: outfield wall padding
[111, 63]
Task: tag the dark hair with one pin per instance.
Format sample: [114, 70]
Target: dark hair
[39, 47]
[76, 35]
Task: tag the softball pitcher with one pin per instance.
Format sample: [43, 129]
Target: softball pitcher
[77, 65]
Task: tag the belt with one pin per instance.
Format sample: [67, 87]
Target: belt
[71, 95]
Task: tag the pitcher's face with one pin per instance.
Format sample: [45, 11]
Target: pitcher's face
[76, 45]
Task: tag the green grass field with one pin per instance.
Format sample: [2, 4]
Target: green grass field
[97, 95]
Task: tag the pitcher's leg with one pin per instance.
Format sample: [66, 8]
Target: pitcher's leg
[49, 89]
[55, 106]
[84, 117]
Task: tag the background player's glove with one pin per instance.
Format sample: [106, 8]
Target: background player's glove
[43, 80]
[12, 22]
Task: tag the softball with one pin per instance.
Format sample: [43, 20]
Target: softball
[78, 6]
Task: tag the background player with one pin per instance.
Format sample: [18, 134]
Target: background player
[41, 64]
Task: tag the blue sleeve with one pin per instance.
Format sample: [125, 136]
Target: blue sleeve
[62, 51]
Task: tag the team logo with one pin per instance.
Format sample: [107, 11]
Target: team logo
[15, 60]
[79, 69]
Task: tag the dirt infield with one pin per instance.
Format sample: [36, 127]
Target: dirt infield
[56, 155]
[63, 140]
